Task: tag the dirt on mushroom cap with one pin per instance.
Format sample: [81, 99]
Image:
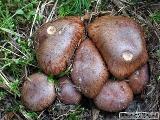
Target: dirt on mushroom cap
[121, 43]
[89, 71]
[55, 43]
[37, 93]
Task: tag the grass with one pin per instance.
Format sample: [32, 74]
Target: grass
[16, 51]
[18, 21]
[74, 115]
[156, 16]
[17, 55]
[2, 94]
[73, 7]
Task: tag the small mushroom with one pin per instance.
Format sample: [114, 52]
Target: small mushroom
[138, 80]
[55, 43]
[68, 93]
[37, 93]
[89, 71]
[114, 96]
[121, 42]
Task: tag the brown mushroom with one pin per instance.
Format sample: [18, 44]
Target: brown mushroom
[68, 93]
[55, 43]
[114, 96]
[37, 93]
[121, 42]
[138, 80]
[89, 71]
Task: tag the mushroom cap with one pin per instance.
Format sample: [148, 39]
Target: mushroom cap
[89, 71]
[138, 80]
[121, 42]
[114, 96]
[37, 93]
[55, 43]
[68, 93]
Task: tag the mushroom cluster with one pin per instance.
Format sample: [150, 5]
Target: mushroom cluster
[115, 48]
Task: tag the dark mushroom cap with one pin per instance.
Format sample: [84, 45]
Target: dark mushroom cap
[89, 71]
[114, 96]
[138, 80]
[37, 93]
[121, 42]
[68, 93]
[55, 43]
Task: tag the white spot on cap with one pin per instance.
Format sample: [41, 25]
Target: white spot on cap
[51, 30]
[127, 56]
[80, 80]
[60, 32]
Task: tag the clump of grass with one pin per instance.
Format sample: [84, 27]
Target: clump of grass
[75, 115]
[18, 108]
[16, 13]
[16, 50]
[2, 94]
[73, 7]
[27, 114]
[16, 46]
[156, 16]
[16, 57]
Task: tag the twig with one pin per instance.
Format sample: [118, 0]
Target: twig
[3, 86]
[8, 116]
[43, 7]
[9, 51]
[95, 11]
[6, 83]
[148, 23]
[40, 115]
[4, 78]
[66, 114]
[18, 49]
[19, 118]
[97, 5]
[95, 113]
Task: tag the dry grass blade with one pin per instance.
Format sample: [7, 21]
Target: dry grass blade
[8, 116]
[34, 20]
[52, 11]
[64, 115]
[11, 32]
[121, 6]
[95, 10]
[3, 86]
[95, 113]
